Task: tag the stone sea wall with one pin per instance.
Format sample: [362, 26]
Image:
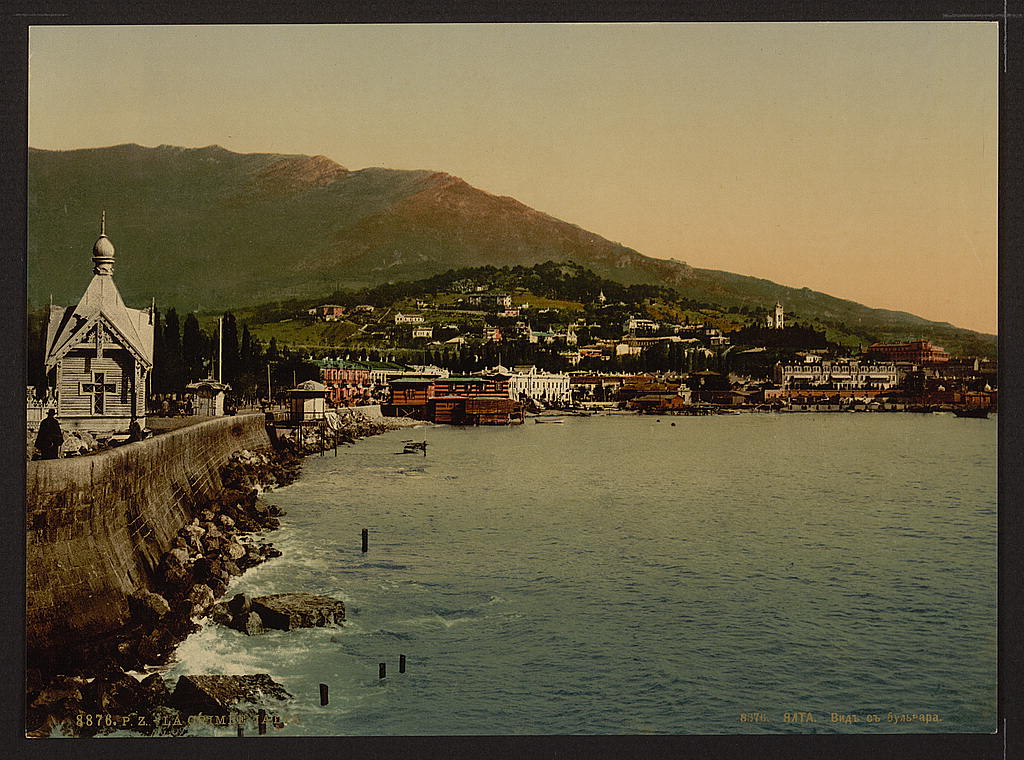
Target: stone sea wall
[97, 526]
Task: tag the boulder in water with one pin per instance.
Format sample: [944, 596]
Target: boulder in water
[220, 614]
[250, 623]
[299, 610]
[202, 599]
[147, 606]
[223, 694]
[154, 690]
[238, 604]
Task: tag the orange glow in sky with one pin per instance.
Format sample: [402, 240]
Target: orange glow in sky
[858, 159]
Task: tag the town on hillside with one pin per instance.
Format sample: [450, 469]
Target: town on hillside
[475, 346]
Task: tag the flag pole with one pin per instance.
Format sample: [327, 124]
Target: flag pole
[220, 349]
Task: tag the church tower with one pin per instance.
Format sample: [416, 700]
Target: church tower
[780, 318]
[99, 354]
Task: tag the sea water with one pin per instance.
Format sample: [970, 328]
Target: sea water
[759, 573]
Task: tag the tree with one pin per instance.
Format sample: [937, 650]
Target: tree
[272, 353]
[159, 382]
[228, 349]
[250, 365]
[35, 357]
[194, 349]
[174, 372]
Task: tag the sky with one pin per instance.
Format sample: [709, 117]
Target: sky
[858, 159]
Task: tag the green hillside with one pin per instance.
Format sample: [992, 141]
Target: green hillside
[208, 229]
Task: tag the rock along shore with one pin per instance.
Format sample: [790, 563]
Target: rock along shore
[72, 688]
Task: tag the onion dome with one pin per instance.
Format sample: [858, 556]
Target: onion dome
[103, 251]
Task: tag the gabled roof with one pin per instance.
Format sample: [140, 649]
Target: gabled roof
[101, 302]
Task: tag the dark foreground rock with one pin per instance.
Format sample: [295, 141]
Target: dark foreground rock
[288, 611]
[282, 612]
[223, 694]
[220, 543]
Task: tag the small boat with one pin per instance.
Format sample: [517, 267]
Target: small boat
[548, 422]
[978, 412]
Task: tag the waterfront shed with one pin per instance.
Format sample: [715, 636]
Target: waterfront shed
[307, 401]
[209, 397]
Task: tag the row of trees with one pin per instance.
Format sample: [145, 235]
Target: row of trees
[184, 353]
[560, 280]
[658, 358]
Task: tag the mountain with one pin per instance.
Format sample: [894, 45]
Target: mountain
[207, 228]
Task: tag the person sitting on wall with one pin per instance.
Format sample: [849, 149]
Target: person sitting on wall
[50, 437]
[135, 432]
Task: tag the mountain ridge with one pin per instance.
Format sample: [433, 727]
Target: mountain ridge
[203, 228]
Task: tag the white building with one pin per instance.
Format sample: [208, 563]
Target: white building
[778, 320]
[423, 331]
[635, 325]
[836, 375]
[536, 384]
[408, 319]
[713, 336]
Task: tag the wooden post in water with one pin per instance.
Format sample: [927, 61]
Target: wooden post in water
[323, 694]
[383, 670]
[261, 722]
[401, 663]
[366, 539]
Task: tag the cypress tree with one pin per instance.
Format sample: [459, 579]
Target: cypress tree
[194, 350]
[174, 371]
[35, 346]
[229, 346]
[159, 383]
[246, 358]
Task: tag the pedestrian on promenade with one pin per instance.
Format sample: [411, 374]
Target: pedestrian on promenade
[135, 431]
[50, 437]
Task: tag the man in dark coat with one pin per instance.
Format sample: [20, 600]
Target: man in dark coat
[135, 432]
[50, 436]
